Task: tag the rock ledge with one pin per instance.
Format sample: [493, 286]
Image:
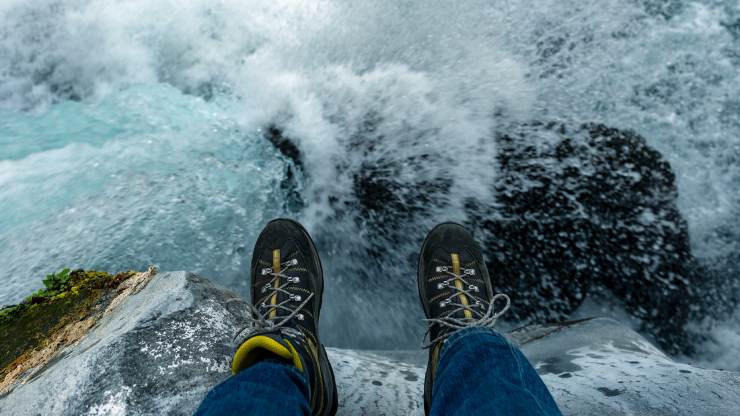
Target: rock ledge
[161, 346]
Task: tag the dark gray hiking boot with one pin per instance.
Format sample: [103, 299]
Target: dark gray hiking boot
[455, 290]
[287, 286]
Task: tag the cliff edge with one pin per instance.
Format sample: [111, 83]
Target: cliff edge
[155, 343]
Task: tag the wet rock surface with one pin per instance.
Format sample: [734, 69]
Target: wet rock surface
[160, 350]
[584, 206]
[563, 209]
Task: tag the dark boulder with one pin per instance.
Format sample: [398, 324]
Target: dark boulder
[567, 209]
[585, 205]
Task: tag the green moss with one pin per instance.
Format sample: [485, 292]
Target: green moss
[57, 282]
[67, 297]
[8, 312]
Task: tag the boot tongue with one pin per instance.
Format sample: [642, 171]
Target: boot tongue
[265, 346]
[457, 261]
[449, 262]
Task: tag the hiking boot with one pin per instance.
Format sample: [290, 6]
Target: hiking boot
[455, 290]
[286, 287]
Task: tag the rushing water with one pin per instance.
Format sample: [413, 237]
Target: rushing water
[131, 131]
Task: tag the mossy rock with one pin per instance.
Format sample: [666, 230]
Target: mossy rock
[68, 297]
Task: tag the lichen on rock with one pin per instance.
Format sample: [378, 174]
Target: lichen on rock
[57, 316]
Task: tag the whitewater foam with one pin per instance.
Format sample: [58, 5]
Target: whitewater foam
[130, 131]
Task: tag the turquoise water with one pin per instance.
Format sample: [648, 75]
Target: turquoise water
[145, 175]
[130, 131]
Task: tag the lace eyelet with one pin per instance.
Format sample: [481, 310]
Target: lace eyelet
[470, 272]
[296, 298]
[441, 269]
[474, 288]
[443, 304]
[266, 271]
[293, 262]
[300, 316]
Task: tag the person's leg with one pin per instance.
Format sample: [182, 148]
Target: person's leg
[267, 388]
[280, 365]
[471, 369]
[481, 373]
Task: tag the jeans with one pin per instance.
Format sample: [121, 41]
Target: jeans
[479, 372]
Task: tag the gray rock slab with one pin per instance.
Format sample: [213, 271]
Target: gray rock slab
[165, 347]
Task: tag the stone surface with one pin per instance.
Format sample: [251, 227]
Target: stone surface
[563, 209]
[163, 348]
[590, 205]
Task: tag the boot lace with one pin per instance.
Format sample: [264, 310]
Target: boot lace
[478, 317]
[260, 320]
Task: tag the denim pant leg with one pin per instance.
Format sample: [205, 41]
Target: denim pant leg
[267, 388]
[481, 373]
